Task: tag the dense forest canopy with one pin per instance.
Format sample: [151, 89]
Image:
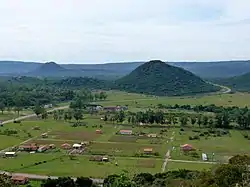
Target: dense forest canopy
[158, 78]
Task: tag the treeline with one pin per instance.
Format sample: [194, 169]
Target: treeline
[22, 93]
[224, 116]
[235, 173]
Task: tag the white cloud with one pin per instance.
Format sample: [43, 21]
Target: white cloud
[124, 30]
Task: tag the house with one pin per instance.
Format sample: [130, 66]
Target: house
[111, 109]
[43, 148]
[126, 132]
[66, 146]
[10, 154]
[31, 147]
[52, 146]
[148, 151]
[19, 180]
[187, 147]
[152, 135]
[48, 106]
[94, 107]
[98, 131]
[77, 146]
[44, 135]
[115, 108]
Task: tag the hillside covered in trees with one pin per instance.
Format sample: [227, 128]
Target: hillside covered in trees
[158, 78]
[237, 83]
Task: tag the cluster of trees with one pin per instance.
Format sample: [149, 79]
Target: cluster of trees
[148, 116]
[5, 181]
[235, 173]
[224, 116]
[22, 93]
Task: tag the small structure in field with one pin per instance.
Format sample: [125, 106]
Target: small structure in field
[32, 147]
[77, 146]
[43, 148]
[10, 154]
[148, 151]
[44, 135]
[187, 147]
[36, 128]
[98, 131]
[19, 180]
[152, 135]
[52, 146]
[85, 143]
[66, 146]
[99, 159]
[126, 132]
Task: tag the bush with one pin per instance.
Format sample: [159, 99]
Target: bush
[181, 129]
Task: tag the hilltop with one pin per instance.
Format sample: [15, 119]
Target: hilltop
[52, 69]
[158, 78]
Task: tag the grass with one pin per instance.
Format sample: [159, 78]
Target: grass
[141, 101]
[223, 147]
[189, 166]
[80, 166]
[121, 149]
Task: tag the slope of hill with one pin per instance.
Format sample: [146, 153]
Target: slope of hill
[51, 69]
[86, 82]
[158, 78]
[237, 83]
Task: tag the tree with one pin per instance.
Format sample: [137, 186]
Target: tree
[193, 120]
[205, 121]
[38, 110]
[55, 115]
[60, 182]
[199, 120]
[5, 181]
[78, 115]
[143, 179]
[83, 182]
[211, 122]
[2, 106]
[44, 115]
[120, 116]
[103, 96]
[183, 120]
[97, 96]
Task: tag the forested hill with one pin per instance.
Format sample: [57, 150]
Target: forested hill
[158, 78]
[237, 83]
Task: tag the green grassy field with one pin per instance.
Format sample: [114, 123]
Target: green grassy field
[121, 149]
[141, 101]
[80, 166]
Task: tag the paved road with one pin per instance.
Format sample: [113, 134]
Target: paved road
[224, 89]
[42, 177]
[32, 115]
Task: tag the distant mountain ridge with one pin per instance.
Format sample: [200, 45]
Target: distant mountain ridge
[51, 69]
[159, 78]
[220, 69]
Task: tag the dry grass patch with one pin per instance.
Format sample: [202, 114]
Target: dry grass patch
[123, 138]
[82, 136]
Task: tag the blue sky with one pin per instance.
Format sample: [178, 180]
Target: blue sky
[98, 31]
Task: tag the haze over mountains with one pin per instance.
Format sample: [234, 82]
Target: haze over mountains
[222, 69]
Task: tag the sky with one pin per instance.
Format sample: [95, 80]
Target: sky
[99, 31]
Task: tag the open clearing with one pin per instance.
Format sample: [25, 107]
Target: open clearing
[123, 150]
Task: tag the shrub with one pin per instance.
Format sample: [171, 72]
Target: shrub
[181, 129]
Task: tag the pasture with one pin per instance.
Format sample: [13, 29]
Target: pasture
[126, 152]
